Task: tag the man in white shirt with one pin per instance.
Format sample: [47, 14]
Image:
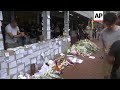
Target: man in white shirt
[12, 34]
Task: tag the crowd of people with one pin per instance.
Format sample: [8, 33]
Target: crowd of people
[85, 32]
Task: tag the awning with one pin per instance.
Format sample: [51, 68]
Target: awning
[88, 14]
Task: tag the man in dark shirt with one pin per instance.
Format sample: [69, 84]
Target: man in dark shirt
[114, 59]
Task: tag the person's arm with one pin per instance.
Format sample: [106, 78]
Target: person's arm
[9, 32]
[113, 51]
[19, 34]
[103, 44]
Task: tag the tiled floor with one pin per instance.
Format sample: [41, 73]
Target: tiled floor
[89, 69]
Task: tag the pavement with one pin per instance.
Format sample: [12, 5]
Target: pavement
[89, 69]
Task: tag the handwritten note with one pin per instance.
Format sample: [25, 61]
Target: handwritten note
[20, 67]
[13, 71]
[12, 64]
[19, 56]
[30, 51]
[7, 54]
[27, 61]
[25, 53]
[4, 65]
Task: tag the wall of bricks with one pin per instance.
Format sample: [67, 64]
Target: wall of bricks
[18, 60]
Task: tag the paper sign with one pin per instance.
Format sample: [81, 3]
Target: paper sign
[14, 77]
[4, 65]
[11, 58]
[30, 51]
[23, 60]
[20, 67]
[19, 61]
[13, 71]
[12, 64]
[33, 61]
[27, 68]
[7, 54]
[21, 50]
[25, 53]
[60, 50]
[3, 75]
[27, 61]
[19, 56]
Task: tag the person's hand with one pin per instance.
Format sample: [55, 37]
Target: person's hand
[22, 34]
